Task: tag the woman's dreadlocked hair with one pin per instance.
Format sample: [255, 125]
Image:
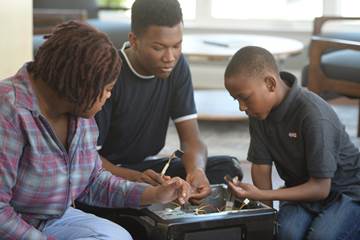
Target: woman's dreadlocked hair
[76, 61]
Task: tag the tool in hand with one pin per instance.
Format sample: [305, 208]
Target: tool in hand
[244, 203]
[229, 204]
[177, 154]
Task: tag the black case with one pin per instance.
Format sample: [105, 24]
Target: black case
[254, 221]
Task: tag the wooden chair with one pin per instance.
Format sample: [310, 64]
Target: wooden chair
[48, 13]
[45, 20]
[334, 62]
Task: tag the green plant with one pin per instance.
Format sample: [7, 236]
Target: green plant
[111, 3]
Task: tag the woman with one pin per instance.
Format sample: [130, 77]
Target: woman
[48, 154]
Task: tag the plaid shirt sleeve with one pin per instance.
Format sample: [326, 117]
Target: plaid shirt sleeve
[107, 190]
[12, 226]
[103, 188]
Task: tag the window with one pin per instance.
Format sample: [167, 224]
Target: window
[283, 15]
[274, 9]
[349, 8]
[188, 8]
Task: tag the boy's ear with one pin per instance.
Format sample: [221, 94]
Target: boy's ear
[270, 83]
[132, 40]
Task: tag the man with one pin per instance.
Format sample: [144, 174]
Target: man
[153, 86]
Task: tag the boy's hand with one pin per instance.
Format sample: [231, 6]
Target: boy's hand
[244, 190]
[151, 177]
[199, 184]
[173, 189]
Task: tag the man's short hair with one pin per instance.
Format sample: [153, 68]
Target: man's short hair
[252, 61]
[146, 13]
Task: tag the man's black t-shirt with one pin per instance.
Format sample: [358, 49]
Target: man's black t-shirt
[134, 121]
[304, 138]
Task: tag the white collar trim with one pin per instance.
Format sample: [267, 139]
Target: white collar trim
[126, 45]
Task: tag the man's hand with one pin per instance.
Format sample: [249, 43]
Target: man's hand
[173, 189]
[151, 177]
[199, 184]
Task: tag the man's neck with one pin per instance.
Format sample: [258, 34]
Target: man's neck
[131, 55]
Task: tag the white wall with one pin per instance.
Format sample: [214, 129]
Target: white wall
[15, 35]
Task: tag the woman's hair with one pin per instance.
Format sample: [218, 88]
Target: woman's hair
[146, 13]
[76, 61]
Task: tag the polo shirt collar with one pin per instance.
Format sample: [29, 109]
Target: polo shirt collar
[278, 113]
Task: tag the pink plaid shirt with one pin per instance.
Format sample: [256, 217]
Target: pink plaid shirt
[38, 177]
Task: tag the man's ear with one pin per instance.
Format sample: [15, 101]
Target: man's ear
[270, 83]
[133, 40]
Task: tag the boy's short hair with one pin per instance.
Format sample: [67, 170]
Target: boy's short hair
[76, 61]
[146, 13]
[252, 61]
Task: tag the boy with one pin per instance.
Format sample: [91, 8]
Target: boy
[48, 155]
[301, 134]
[155, 86]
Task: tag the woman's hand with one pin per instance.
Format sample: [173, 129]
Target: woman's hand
[173, 189]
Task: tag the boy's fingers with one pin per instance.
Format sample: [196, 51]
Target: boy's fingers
[199, 195]
[156, 177]
[149, 180]
[236, 188]
[166, 178]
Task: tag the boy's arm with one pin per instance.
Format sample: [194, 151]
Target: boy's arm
[195, 152]
[314, 189]
[148, 176]
[194, 158]
[261, 177]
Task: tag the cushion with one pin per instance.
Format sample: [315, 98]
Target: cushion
[342, 64]
[116, 30]
[89, 5]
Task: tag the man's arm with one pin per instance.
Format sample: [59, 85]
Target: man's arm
[194, 158]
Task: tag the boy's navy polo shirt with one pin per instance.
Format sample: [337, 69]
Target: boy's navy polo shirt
[304, 138]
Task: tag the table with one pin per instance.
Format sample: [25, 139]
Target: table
[217, 105]
[220, 47]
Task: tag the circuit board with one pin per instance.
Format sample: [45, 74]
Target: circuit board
[219, 202]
